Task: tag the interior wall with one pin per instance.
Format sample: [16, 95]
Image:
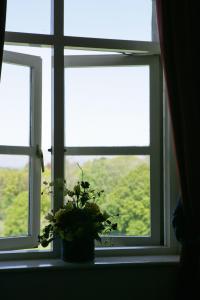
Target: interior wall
[118, 282]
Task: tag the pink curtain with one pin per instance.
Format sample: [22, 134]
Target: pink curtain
[179, 26]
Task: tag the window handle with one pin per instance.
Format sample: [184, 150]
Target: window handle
[39, 154]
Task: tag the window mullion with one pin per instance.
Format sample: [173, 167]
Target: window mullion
[17, 150]
[35, 140]
[28, 38]
[57, 9]
[58, 97]
[102, 60]
[145, 150]
[111, 45]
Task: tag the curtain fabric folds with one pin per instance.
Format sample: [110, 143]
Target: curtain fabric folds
[178, 24]
[3, 4]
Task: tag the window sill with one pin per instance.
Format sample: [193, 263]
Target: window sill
[100, 262]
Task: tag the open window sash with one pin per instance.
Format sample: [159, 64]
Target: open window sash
[30, 240]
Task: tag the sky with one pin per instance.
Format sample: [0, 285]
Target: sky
[104, 106]
[123, 19]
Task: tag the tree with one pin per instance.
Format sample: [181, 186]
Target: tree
[16, 214]
[16, 220]
[12, 182]
[125, 180]
[131, 200]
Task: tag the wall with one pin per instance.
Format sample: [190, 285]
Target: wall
[125, 282]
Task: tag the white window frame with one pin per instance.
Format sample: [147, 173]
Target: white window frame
[59, 42]
[154, 150]
[35, 65]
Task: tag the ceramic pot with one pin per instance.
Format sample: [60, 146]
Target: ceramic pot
[79, 250]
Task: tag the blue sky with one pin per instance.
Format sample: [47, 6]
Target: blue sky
[123, 19]
[107, 106]
[91, 90]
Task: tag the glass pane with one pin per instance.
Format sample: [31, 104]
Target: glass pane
[22, 16]
[45, 55]
[126, 184]
[107, 106]
[15, 105]
[122, 19]
[14, 195]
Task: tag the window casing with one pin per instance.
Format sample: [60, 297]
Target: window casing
[129, 53]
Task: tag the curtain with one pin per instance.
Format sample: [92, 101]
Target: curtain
[179, 26]
[3, 4]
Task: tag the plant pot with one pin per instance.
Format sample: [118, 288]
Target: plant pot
[79, 250]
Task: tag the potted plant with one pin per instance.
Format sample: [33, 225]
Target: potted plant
[78, 223]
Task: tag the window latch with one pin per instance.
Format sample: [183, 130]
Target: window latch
[50, 150]
[39, 154]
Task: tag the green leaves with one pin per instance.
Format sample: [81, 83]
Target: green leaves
[80, 217]
[77, 190]
[84, 198]
[85, 184]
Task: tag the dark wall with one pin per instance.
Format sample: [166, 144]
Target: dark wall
[117, 282]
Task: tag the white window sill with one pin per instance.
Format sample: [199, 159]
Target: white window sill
[100, 262]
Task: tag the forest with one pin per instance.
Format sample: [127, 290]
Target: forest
[124, 179]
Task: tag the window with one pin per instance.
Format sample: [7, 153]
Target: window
[21, 118]
[104, 98]
[112, 114]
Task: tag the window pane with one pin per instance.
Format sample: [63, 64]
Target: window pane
[32, 16]
[122, 19]
[14, 195]
[45, 55]
[15, 105]
[126, 184]
[107, 106]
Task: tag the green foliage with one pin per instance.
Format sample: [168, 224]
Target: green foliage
[14, 201]
[107, 172]
[16, 221]
[131, 200]
[125, 180]
[12, 182]
[79, 218]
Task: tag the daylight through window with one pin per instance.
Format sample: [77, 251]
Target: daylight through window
[81, 89]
